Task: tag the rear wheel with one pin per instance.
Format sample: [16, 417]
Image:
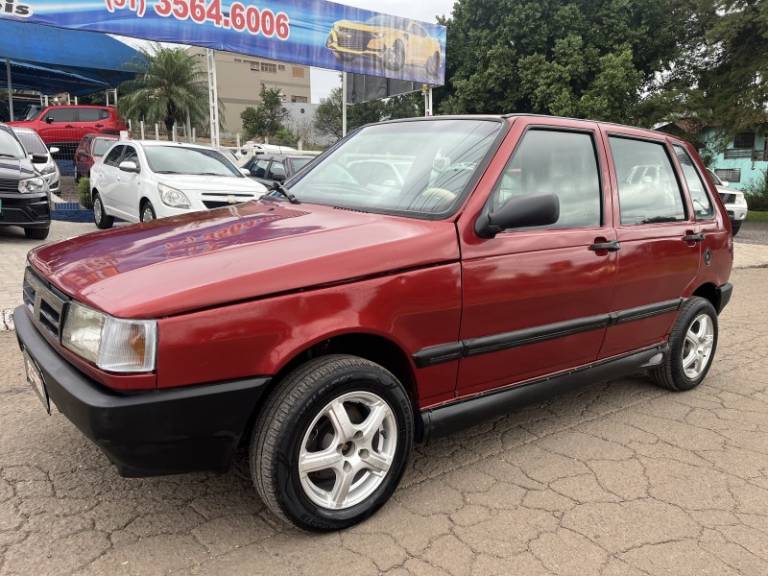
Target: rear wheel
[100, 217]
[692, 345]
[331, 444]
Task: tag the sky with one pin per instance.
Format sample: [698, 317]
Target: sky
[323, 81]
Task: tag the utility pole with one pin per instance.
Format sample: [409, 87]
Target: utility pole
[343, 104]
[10, 86]
[213, 96]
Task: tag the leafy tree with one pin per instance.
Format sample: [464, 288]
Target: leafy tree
[582, 58]
[328, 113]
[171, 87]
[266, 119]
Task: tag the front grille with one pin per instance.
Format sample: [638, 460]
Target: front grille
[9, 185]
[45, 303]
[353, 39]
[728, 198]
[24, 210]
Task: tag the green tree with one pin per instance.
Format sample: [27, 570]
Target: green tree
[582, 58]
[328, 113]
[266, 119]
[171, 87]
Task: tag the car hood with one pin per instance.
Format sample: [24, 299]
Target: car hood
[241, 252]
[12, 169]
[189, 183]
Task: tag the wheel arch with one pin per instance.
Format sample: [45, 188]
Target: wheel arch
[371, 346]
[710, 292]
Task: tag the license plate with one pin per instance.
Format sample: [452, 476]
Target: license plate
[35, 379]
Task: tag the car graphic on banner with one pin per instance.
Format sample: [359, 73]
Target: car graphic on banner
[309, 32]
[389, 45]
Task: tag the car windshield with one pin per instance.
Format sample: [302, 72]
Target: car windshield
[31, 142]
[101, 145]
[10, 147]
[190, 161]
[415, 168]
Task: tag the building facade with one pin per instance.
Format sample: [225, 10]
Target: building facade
[240, 78]
[745, 159]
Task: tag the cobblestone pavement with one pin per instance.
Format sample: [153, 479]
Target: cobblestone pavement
[615, 479]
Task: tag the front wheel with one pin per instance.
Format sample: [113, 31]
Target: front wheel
[37, 233]
[147, 212]
[692, 345]
[100, 216]
[332, 442]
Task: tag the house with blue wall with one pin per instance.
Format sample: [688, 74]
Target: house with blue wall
[744, 160]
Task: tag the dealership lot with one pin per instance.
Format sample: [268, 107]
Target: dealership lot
[613, 479]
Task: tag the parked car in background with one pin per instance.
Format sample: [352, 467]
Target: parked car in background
[35, 146]
[271, 169]
[734, 200]
[65, 126]
[140, 180]
[24, 197]
[91, 148]
[331, 324]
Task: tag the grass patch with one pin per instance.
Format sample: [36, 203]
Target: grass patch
[757, 216]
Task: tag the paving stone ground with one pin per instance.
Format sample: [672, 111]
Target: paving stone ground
[613, 479]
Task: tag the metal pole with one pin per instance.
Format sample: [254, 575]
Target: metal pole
[46, 100]
[431, 111]
[343, 104]
[141, 126]
[194, 136]
[188, 128]
[75, 100]
[237, 136]
[213, 96]
[157, 132]
[10, 87]
[173, 133]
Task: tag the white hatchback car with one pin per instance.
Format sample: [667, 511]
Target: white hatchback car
[734, 201]
[140, 180]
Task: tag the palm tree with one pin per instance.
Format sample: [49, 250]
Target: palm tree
[170, 89]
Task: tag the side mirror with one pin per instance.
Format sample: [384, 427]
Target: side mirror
[538, 210]
[53, 149]
[245, 172]
[129, 166]
[49, 119]
[38, 158]
[278, 177]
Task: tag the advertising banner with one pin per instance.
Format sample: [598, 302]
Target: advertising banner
[362, 88]
[310, 32]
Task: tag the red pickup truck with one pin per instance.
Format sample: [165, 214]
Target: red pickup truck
[421, 276]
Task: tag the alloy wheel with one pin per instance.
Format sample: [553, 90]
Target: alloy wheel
[347, 450]
[697, 347]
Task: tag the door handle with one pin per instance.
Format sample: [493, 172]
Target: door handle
[99, 125]
[693, 237]
[69, 126]
[606, 245]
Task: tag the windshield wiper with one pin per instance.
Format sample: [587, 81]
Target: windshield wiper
[166, 172]
[282, 190]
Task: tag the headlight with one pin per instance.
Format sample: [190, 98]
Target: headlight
[113, 344]
[32, 185]
[172, 197]
[49, 168]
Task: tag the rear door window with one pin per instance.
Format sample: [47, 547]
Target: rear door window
[276, 170]
[702, 205]
[88, 114]
[648, 189]
[130, 155]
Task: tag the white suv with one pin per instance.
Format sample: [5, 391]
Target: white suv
[140, 180]
[733, 200]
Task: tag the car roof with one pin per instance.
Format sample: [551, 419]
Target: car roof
[150, 143]
[100, 106]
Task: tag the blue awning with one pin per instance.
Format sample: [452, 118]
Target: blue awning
[52, 60]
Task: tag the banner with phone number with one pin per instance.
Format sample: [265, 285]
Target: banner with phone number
[310, 32]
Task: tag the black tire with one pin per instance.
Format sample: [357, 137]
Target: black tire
[670, 374]
[735, 226]
[100, 217]
[147, 211]
[285, 420]
[37, 233]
